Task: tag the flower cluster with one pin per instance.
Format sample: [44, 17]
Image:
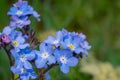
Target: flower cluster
[20, 44]
[20, 13]
[67, 48]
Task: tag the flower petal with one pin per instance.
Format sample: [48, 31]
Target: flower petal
[30, 56]
[20, 39]
[27, 65]
[51, 60]
[72, 61]
[64, 68]
[40, 63]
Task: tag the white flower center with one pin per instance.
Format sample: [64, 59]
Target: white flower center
[19, 22]
[22, 70]
[56, 42]
[45, 55]
[22, 58]
[63, 59]
[19, 12]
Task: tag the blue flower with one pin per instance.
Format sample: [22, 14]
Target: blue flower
[44, 56]
[55, 41]
[19, 22]
[23, 57]
[22, 9]
[71, 42]
[65, 59]
[19, 43]
[25, 74]
[17, 40]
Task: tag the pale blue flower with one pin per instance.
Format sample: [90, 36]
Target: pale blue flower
[23, 57]
[44, 56]
[65, 59]
[25, 74]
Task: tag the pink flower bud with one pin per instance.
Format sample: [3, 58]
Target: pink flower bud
[6, 39]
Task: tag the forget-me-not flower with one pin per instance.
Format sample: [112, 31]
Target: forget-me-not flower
[72, 43]
[44, 56]
[25, 74]
[55, 41]
[22, 9]
[19, 22]
[23, 57]
[65, 59]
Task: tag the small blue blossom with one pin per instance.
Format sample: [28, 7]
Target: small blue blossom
[72, 43]
[25, 74]
[44, 56]
[19, 43]
[22, 9]
[55, 41]
[11, 32]
[20, 23]
[23, 57]
[65, 59]
[17, 40]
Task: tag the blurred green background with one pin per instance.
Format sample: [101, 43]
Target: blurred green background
[98, 19]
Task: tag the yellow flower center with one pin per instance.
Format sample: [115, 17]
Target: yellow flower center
[71, 46]
[15, 43]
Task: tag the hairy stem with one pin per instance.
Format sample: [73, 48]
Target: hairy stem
[10, 59]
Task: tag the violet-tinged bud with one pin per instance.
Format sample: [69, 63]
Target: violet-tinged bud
[5, 38]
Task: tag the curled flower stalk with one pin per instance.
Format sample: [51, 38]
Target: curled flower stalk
[19, 41]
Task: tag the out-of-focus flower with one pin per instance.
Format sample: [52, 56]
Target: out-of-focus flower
[101, 71]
